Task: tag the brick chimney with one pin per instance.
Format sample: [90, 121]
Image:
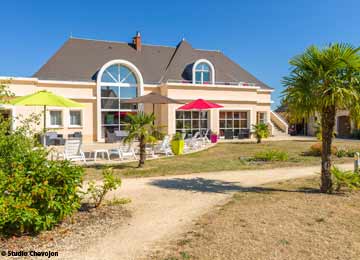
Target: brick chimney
[137, 41]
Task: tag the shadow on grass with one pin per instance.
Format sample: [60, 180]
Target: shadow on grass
[216, 186]
[310, 154]
[305, 141]
[120, 166]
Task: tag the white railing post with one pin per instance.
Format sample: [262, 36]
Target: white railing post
[356, 162]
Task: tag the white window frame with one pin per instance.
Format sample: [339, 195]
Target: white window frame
[192, 119]
[212, 72]
[139, 85]
[248, 118]
[62, 118]
[258, 117]
[81, 118]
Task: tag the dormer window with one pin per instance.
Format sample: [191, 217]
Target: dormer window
[203, 72]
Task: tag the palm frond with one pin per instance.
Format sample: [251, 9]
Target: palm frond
[320, 78]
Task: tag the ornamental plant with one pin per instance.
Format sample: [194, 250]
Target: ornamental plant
[97, 193]
[261, 131]
[177, 137]
[35, 193]
[345, 179]
[140, 128]
[321, 82]
[272, 155]
[316, 149]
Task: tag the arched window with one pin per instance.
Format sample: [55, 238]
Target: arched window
[117, 82]
[118, 74]
[203, 72]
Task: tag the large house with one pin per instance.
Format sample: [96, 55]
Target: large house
[102, 74]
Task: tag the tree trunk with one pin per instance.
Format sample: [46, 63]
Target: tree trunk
[142, 152]
[327, 125]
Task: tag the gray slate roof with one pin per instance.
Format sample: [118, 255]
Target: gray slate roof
[81, 59]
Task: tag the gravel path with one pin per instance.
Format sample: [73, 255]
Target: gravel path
[163, 207]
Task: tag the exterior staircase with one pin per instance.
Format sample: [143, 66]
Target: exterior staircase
[279, 126]
[278, 131]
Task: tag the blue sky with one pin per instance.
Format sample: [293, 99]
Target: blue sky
[260, 35]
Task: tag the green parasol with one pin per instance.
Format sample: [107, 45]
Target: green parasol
[44, 98]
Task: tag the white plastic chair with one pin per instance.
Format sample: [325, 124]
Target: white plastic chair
[206, 138]
[72, 151]
[193, 143]
[164, 147]
[196, 135]
[124, 152]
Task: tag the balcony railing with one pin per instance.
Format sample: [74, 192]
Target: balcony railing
[222, 83]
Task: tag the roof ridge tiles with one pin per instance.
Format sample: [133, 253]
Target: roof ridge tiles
[120, 42]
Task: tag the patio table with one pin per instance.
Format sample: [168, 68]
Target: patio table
[102, 152]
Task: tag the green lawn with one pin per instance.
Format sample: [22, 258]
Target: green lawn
[224, 156]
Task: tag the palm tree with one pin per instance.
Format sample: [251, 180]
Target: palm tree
[322, 81]
[261, 131]
[140, 127]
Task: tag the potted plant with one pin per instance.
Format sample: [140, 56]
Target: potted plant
[214, 137]
[177, 144]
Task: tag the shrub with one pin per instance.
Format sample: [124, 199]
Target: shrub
[97, 193]
[261, 131]
[316, 149]
[36, 193]
[351, 153]
[348, 179]
[271, 155]
[341, 153]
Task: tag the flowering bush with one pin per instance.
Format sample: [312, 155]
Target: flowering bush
[35, 193]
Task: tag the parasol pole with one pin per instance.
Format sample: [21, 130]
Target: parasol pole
[44, 126]
[154, 113]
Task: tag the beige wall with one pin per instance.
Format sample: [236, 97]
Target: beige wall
[218, 94]
[84, 93]
[68, 90]
[231, 97]
[87, 127]
[312, 123]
